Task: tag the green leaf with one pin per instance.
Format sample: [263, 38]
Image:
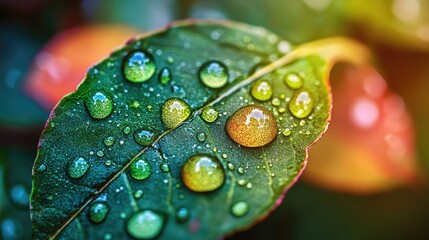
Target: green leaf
[108, 166]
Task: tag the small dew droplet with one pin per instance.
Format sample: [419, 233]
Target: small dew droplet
[138, 66]
[138, 193]
[164, 167]
[99, 104]
[170, 59]
[230, 166]
[100, 153]
[261, 90]
[203, 173]
[252, 126]
[42, 167]
[209, 114]
[293, 80]
[127, 130]
[301, 104]
[201, 137]
[140, 169]
[77, 167]
[164, 76]
[144, 137]
[240, 209]
[134, 104]
[275, 102]
[213, 74]
[175, 111]
[146, 224]
[287, 132]
[241, 182]
[98, 212]
[183, 215]
[109, 141]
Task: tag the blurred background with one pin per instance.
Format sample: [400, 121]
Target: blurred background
[366, 179]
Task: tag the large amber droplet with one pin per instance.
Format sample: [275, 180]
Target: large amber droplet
[252, 126]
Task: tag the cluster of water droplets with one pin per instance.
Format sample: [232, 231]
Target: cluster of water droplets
[251, 126]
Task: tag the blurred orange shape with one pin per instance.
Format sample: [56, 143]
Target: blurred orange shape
[369, 146]
[61, 65]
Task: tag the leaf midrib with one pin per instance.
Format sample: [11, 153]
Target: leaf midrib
[332, 49]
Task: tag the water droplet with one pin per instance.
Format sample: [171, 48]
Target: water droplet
[108, 162]
[293, 80]
[98, 212]
[203, 173]
[134, 104]
[301, 104]
[241, 182]
[240, 208]
[140, 169]
[230, 166]
[42, 167]
[144, 137]
[209, 114]
[164, 167]
[276, 102]
[213, 74]
[146, 224]
[249, 185]
[201, 137]
[175, 111]
[100, 153]
[261, 90]
[77, 167]
[164, 76]
[170, 59]
[287, 132]
[127, 130]
[109, 141]
[240, 170]
[99, 104]
[252, 126]
[183, 215]
[138, 66]
[138, 193]
[302, 123]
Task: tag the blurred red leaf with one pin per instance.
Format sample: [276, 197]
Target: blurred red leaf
[60, 66]
[369, 146]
